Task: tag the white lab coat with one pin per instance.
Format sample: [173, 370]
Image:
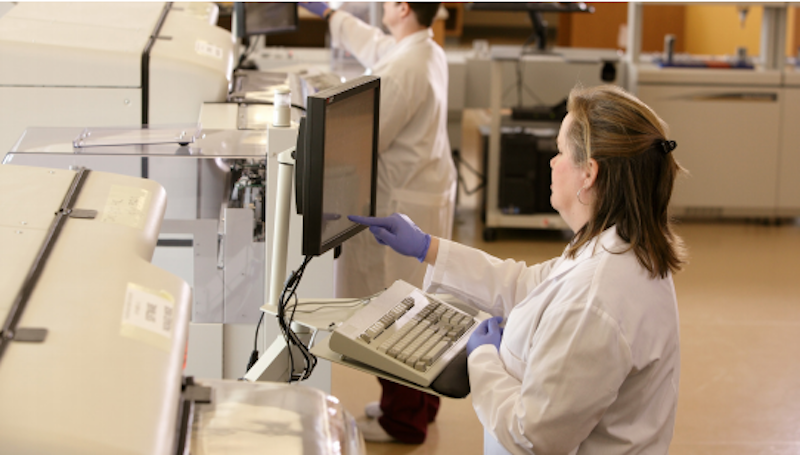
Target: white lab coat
[416, 175]
[589, 362]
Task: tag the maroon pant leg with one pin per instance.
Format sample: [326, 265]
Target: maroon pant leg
[406, 412]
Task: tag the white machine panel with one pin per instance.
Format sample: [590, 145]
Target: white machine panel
[79, 64]
[193, 66]
[789, 158]
[652, 74]
[22, 107]
[106, 379]
[728, 139]
[75, 44]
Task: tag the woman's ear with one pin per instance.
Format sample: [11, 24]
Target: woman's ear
[590, 176]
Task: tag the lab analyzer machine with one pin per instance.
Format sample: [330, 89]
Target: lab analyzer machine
[93, 335]
[108, 64]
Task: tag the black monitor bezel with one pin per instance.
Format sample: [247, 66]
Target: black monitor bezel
[240, 11]
[310, 162]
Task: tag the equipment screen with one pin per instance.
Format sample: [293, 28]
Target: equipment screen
[337, 162]
[260, 18]
[348, 163]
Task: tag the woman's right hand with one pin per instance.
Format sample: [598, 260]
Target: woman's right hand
[398, 232]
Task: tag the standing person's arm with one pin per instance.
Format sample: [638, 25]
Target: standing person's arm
[367, 43]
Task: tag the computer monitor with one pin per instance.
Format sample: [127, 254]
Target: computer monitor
[336, 162]
[264, 18]
[534, 10]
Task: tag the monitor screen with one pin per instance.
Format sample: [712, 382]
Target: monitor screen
[265, 18]
[336, 162]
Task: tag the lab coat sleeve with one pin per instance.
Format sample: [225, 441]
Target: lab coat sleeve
[481, 280]
[367, 43]
[395, 112]
[577, 362]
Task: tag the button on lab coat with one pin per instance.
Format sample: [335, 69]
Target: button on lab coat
[589, 361]
[416, 175]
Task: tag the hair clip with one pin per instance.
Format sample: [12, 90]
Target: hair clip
[668, 146]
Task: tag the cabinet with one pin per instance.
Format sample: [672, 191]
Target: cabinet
[737, 137]
[789, 150]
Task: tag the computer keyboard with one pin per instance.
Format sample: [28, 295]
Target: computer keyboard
[406, 333]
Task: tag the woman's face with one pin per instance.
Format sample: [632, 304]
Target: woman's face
[567, 178]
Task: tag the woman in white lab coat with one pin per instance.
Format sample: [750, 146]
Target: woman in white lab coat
[416, 176]
[588, 360]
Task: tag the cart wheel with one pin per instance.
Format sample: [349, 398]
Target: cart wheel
[489, 235]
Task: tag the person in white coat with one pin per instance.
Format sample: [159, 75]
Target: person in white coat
[588, 359]
[416, 174]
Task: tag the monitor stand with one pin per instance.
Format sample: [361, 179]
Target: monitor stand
[273, 364]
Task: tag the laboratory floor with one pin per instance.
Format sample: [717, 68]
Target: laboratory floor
[739, 303]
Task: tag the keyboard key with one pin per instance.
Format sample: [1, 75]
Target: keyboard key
[437, 351]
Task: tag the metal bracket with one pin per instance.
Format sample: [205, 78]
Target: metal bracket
[83, 213]
[198, 394]
[26, 335]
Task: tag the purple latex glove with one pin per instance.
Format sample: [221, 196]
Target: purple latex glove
[398, 232]
[315, 8]
[487, 332]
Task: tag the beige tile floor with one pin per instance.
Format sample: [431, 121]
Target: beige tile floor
[739, 302]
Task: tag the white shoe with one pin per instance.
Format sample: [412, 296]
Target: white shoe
[373, 410]
[373, 431]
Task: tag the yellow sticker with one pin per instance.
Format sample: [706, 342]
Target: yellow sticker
[148, 316]
[127, 206]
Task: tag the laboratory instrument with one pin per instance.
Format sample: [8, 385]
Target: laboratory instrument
[93, 340]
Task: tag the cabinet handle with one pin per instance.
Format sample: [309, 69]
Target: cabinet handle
[751, 97]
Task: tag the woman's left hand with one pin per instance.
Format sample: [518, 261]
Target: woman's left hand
[487, 332]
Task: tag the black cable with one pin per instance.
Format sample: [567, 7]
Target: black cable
[250, 47]
[291, 338]
[309, 359]
[254, 355]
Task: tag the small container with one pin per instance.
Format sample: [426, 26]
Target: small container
[741, 55]
[480, 49]
[281, 114]
[669, 49]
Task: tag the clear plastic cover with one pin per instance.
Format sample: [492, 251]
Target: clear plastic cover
[248, 418]
[99, 137]
[187, 141]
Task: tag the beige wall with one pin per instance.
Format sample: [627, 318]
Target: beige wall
[716, 30]
[699, 29]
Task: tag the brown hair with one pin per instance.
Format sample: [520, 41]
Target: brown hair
[635, 174]
[425, 12]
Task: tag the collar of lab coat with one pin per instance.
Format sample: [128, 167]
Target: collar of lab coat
[608, 240]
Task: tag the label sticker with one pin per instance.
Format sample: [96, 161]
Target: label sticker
[148, 316]
[208, 49]
[126, 206]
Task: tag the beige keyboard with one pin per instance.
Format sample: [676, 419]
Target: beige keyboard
[405, 332]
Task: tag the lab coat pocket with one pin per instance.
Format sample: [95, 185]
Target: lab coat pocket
[514, 364]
